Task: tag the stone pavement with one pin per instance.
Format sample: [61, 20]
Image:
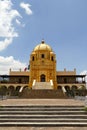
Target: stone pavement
[60, 102]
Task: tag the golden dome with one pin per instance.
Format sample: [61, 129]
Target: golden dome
[42, 46]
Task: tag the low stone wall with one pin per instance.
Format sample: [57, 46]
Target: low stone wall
[42, 94]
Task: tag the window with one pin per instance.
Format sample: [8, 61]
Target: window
[33, 58]
[42, 56]
[52, 58]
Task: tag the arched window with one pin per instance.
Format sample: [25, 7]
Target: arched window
[42, 56]
[52, 58]
[33, 58]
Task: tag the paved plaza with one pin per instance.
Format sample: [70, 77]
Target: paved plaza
[60, 102]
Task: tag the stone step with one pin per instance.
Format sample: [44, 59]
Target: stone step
[44, 116]
[42, 120]
[42, 85]
[44, 124]
[44, 112]
[41, 106]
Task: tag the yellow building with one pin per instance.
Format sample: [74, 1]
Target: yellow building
[42, 73]
[43, 65]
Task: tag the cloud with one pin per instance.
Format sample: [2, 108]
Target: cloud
[7, 16]
[26, 7]
[9, 62]
[84, 73]
[5, 43]
[19, 23]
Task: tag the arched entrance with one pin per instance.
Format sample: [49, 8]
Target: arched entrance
[67, 88]
[74, 88]
[11, 90]
[3, 90]
[42, 78]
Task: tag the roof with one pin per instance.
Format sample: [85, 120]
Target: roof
[42, 46]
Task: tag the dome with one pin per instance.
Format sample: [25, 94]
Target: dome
[42, 46]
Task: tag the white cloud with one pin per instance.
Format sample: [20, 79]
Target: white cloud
[84, 73]
[26, 7]
[8, 16]
[9, 62]
[19, 23]
[5, 43]
[7, 30]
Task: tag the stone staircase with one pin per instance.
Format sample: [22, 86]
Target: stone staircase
[43, 94]
[42, 85]
[43, 115]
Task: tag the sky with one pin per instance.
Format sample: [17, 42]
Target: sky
[61, 23]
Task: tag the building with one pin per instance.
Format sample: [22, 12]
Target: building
[42, 74]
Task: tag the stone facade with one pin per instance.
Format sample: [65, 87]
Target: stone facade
[43, 64]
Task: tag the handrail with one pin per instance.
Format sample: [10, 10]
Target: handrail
[51, 82]
[64, 90]
[21, 89]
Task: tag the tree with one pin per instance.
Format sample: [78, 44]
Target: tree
[3, 90]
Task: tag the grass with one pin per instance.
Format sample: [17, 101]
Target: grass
[85, 108]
